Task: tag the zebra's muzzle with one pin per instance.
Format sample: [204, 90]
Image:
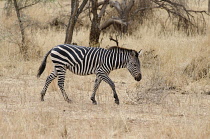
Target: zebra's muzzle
[138, 78]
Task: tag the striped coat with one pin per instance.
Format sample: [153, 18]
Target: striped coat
[89, 60]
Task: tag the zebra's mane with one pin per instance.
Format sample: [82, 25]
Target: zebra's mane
[119, 49]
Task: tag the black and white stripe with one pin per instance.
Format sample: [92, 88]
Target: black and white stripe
[89, 60]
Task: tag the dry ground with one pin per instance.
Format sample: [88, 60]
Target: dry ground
[24, 116]
[171, 101]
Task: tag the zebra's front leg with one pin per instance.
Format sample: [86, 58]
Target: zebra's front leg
[96, 85]
[105, 78]
[49, 79]
[61, 79]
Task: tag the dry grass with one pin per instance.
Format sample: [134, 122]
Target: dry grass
[171, 101]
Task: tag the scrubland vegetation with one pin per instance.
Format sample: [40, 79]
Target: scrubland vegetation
[171, 101]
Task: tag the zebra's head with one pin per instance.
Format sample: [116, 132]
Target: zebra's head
[133, 65]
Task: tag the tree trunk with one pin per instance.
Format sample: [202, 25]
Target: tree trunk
[72, 22]
[70, 31]
[75, 12]
[94, 31]
[209, 7]
[23, 46]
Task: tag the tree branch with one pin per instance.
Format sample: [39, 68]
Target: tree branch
[115, 40]
[112, 21]
[116, 5]
[164, 4]
[145, 8]
[192, 11]
[36, 2]
[129, 7]
[106, 2]
[80, 9]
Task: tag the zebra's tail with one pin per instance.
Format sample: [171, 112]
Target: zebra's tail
[43, 65]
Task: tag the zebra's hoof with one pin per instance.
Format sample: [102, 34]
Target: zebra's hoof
[117, 102]
[42, 99]
[68, 100]
[94, 103]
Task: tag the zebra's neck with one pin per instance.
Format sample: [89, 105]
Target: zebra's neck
[118, 60]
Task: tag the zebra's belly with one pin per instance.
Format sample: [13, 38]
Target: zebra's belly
[82, 71]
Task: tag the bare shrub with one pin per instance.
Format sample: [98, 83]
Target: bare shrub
[177, 12]
[59, 21]
[31, 49]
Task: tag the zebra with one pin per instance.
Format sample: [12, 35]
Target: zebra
[82, 61]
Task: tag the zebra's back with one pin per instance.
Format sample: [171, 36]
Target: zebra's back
[78, 59]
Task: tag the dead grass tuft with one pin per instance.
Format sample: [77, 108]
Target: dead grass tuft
[198, 68]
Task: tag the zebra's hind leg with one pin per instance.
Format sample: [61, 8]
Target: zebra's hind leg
[61, 78]
[49, 79]
[96, 85]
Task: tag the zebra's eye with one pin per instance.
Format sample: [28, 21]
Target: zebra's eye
[134, 65]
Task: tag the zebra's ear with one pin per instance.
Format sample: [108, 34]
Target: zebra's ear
[134, 53]
[140, 53]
